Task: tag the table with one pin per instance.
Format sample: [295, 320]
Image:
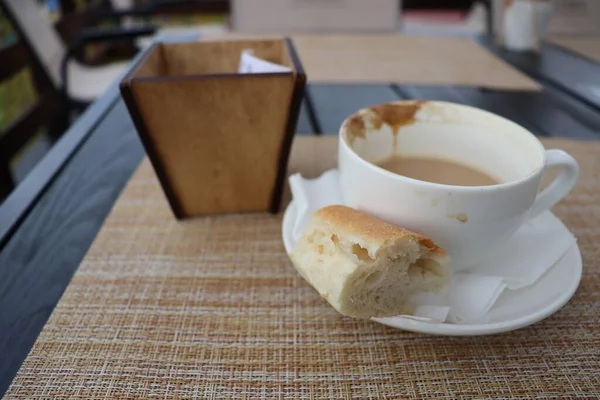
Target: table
[87, 169]
[566, 71]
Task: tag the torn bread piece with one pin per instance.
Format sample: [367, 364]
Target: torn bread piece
[365, 267]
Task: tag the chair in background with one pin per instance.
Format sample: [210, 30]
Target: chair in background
[80, 84]
[93, 14]
[139, 7]
[446, 18]
[171, 17]
[44, 111]
[460, 5]
[181, 6]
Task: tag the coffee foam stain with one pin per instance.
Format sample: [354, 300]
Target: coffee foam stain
[395, 115]
[442, 113]
[399, 114]
[435, 202]
[460, 217]
[355, 128]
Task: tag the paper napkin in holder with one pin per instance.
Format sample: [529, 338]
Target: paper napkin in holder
[530, 253]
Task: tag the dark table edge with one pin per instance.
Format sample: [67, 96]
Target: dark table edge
[536, 75]
[570, 52]
[21, 201]
[575, 93]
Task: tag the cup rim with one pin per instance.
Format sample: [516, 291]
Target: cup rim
[426, 184]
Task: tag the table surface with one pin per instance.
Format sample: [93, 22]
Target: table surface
[49, 222]
[211, 308]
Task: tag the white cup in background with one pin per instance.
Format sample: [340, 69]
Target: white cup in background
[524, 23]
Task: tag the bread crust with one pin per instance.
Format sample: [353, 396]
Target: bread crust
[365, 267]
[365, 228]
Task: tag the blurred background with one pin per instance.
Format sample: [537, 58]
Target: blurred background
[57, 56]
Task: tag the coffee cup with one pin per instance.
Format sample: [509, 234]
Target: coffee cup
[468, 221]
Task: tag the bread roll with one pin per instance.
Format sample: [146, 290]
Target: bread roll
[365, 267]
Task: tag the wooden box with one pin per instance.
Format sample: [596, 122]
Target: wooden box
[315, 16]
[218, 140]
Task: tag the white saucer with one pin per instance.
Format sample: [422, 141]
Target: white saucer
[513, 310]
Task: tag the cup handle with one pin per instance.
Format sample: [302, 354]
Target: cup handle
[561, 186]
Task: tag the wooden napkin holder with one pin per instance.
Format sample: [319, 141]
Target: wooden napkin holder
[218, 140]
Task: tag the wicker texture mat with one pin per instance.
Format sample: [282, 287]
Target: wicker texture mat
[385, 59]
[406, 60]
[211, 308]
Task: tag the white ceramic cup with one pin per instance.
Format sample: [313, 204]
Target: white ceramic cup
[467, 221]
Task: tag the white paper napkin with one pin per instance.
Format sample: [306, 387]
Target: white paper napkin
[250, 64]
[312, 194]
[520, 262]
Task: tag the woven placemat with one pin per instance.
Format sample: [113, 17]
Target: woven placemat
[588, 47]
[385, 59]
[211, 308]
